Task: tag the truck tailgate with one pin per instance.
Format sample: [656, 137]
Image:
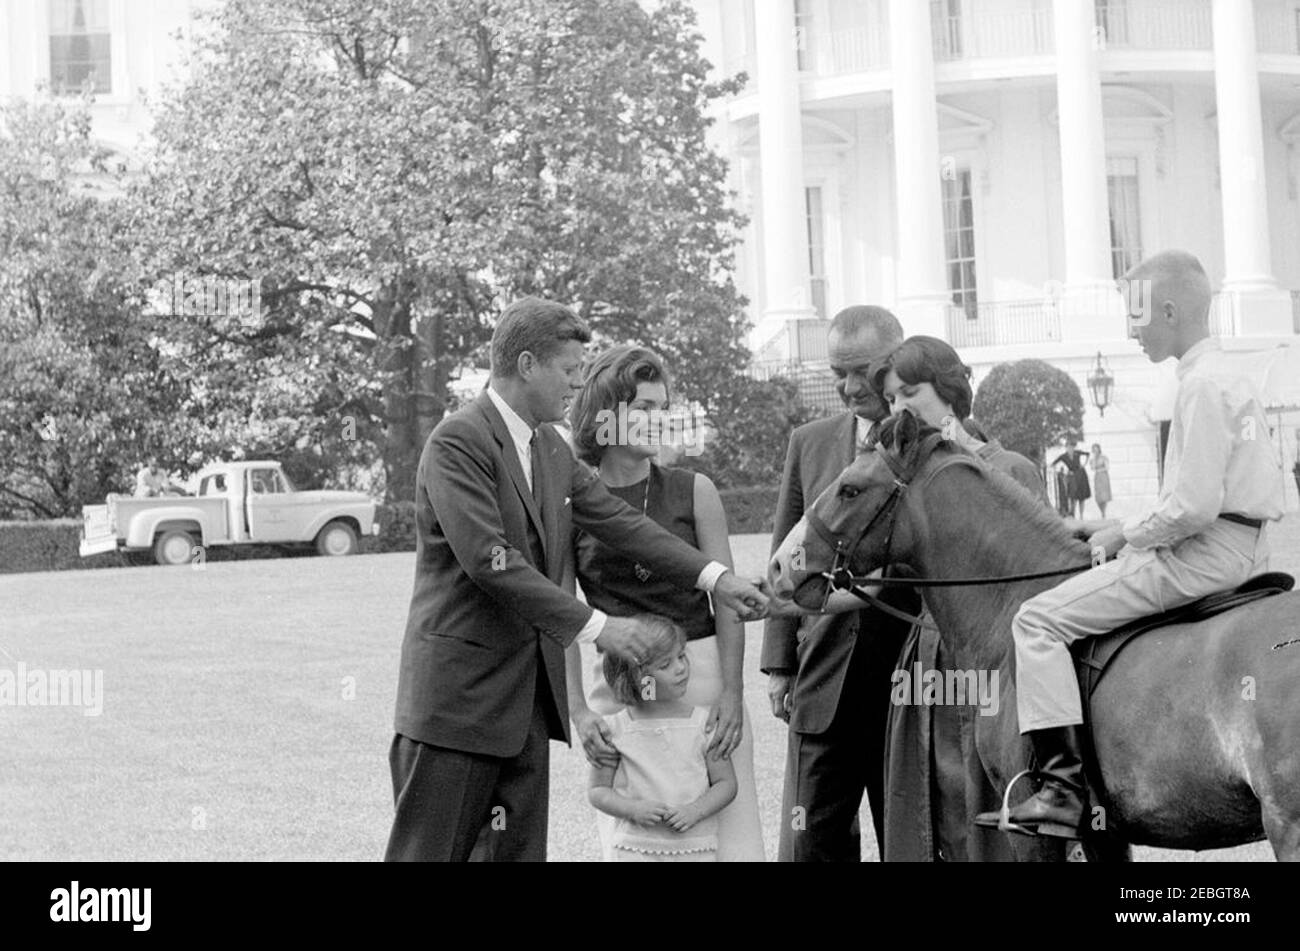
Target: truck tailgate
[97, 533]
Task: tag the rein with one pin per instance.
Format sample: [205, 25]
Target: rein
[841, 578]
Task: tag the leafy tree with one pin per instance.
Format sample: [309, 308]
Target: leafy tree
[1029, 405]
[82, 396]
[392, 172]
[752, 451]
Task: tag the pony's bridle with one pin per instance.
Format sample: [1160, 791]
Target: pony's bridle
[840, 577]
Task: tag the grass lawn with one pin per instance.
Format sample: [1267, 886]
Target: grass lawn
[247, 712]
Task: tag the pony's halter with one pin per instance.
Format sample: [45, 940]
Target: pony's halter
[840, 576]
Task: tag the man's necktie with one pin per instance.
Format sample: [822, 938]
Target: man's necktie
[535, 459]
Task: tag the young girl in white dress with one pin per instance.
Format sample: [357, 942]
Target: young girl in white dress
[665, 793]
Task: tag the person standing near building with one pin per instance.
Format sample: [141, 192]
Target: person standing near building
[829, 677]
[1080, 492]
[1100, 478]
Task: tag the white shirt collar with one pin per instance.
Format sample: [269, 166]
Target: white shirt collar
[520, 431]
[1194, 352]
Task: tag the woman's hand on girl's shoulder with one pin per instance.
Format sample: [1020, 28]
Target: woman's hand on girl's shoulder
[596, 737]
[726, 725]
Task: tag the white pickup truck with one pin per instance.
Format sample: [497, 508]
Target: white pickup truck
[237, 503]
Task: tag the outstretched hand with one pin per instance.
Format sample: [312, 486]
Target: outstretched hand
[743, 597]
[779, 607]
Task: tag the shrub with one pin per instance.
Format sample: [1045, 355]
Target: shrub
[396, 528]
[750, 510]
[1029, 405]
[750, 445]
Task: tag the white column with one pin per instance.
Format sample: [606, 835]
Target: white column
[785, 216]
[7, 41]
[922, 288]
[1248, 272]
[1090, 307]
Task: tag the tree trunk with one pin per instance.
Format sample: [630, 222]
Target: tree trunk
[398, 359]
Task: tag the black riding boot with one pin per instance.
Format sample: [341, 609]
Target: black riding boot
[1059, 808]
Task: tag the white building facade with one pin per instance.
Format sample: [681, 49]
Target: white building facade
[986, 168]
[125, 51]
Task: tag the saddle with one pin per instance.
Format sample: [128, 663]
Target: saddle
[1093, 655]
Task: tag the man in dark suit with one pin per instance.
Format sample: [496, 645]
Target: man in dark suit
[481, 690]
[830, 676]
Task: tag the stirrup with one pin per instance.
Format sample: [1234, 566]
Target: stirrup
[1004, 818]
[1054, 830]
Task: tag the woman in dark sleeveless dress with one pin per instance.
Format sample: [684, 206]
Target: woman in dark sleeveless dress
[1080, 491]
[617, 427]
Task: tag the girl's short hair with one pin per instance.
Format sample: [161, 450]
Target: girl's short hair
[610, 380]
[930, 360]
[624, 678]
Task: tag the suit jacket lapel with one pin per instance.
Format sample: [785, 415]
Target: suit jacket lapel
[847, 442]
[502, 434]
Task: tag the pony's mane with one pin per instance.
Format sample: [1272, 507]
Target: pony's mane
[1028, 510]
[1031, 511]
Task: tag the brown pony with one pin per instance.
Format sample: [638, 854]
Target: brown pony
[1196, 727]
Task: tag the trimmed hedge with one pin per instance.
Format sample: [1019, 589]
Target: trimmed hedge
[46, 546]
[52, 545]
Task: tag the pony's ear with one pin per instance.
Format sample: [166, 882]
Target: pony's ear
[907, 432]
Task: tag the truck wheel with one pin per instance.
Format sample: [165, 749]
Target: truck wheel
[173, 548]
[336, 538]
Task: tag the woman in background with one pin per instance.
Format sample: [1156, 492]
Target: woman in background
[1100, 478]
[1072, 459]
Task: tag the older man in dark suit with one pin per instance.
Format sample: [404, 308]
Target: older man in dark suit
[481, 690]
[829, 677]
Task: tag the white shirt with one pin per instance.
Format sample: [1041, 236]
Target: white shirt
[521, 434]
[1220, 458]
[148, 485]
[861, 432]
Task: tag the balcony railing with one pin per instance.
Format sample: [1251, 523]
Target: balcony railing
[837, 52]
[1155, 24]
[998, 323]
[815, 381]
[986, 34]
[982, 33]
[1277, 28]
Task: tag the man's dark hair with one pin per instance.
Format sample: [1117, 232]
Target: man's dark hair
[869, 319]
[540, 327]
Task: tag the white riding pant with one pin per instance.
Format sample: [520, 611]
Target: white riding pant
[1136, 584]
